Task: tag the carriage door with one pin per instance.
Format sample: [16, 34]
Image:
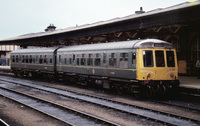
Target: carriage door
[145, 63]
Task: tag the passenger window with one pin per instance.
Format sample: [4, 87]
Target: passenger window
[13, 58]
[104, 58]
[148, 58]
[78, 59]
[70, 59]
[50, 59]
[123, 60]
[23, 59]
[170, 59]
[73, 58]
[40, 59]
[112, 60]
[36, 58]
[65, 59]
[160, 61]
[59, 59]
[45, 59]
[33, 58]
[97, 60]
[83, 61]
[30, 59]
[90, 60]
[27, 59]
[17, 59]
[20, 58]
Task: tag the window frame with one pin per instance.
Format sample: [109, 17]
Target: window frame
[145, 64]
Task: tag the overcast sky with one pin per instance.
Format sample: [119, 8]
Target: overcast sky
[18, 17]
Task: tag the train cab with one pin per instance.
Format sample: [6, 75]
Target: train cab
[157, 65]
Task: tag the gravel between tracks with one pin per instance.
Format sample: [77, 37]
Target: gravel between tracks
[142, 103]
[18, 115]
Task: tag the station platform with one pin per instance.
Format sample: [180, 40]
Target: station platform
[189, 82]
[5, 69]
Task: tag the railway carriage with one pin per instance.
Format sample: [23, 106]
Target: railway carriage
[33, 61]
[144, 67]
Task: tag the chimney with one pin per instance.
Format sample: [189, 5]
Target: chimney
[51, 27]
[140, 11]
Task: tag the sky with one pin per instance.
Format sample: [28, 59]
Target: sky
[18, 17]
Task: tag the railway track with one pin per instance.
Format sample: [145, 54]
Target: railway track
[158, 116]
[3, 123]
[59, 112]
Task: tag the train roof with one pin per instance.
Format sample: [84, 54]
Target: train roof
[145, 43]
[36, 50]
[140, 43]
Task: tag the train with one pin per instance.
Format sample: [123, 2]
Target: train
[144, 67]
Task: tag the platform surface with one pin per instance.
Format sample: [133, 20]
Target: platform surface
[4, 67]
[185, 81]
[189, 82]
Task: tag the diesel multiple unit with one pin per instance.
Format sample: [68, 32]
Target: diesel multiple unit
[141, 66]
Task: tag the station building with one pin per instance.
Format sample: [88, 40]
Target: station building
[5, 53]
[178, 24]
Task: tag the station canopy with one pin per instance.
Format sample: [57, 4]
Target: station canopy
[102, 31]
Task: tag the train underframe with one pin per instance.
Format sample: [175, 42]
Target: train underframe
[140, 89]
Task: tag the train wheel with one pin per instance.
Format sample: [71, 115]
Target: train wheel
[163, 89]
[155, 88]
[119, 90]
[148, 91]
[16, 74]
[30, 75]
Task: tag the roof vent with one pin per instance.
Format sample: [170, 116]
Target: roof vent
[140, 11]
[51, 27]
